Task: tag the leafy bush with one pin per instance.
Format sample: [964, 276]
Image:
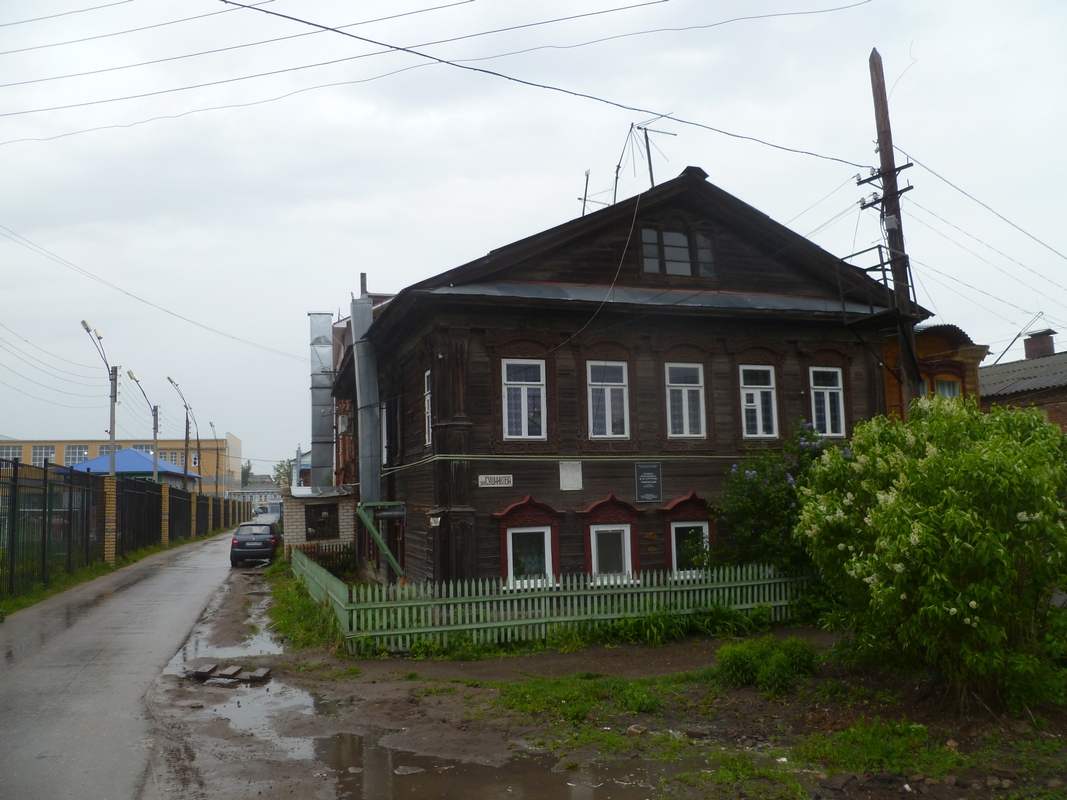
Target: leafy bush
[942, 540]
[766, 663]
[760, 505]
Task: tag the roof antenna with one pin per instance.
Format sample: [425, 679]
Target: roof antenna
[1038, 316]
[585, 194]
[648, 151]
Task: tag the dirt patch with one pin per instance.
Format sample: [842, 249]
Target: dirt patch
[217, 739]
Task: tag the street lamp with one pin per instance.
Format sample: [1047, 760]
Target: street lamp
[113, 375]
[215, 436]
[185, 456]
[155, 427]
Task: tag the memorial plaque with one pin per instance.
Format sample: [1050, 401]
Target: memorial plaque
[648, 482]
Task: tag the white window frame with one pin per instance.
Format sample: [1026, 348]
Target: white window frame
[39, 453]
[524, 388]
[75, 454]
[675, 527]
[627, 542]
[603, 390]
[548, 579]
[831, 396]
[685, 389]
[11, 451]
[752, 397]
[427, 407]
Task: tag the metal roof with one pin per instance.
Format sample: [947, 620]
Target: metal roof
[1028, 375]
[129, 460]
[660, 298]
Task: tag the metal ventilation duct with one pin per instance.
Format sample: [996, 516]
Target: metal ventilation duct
[321, 401]
[366, 399]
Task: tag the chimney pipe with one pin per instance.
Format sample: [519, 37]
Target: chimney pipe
[1040, 344]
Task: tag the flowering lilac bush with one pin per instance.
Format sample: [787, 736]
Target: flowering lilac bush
[760, 506]
[942, 540]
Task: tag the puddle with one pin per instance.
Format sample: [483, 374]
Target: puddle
[363, 769]
[250, 710]
[197, 646]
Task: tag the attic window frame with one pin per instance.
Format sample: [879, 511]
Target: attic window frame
[699, 241]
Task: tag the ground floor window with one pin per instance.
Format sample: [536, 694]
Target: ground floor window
[529, 555]
[322, 522]
[610, 545]
[689, 541]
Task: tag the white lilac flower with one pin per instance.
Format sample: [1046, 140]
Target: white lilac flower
[966, 620]
[913, 538]
[903, 596]
[1022, 516]
[898, 568]
[952, 612]
[973, 604]
[841, 546]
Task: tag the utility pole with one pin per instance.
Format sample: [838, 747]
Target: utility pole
[185, 456]
[898, 258]
[114, 371]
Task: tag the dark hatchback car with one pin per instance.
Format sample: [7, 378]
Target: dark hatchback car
[254, 541]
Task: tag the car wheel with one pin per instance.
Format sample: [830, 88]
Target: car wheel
[234, 562]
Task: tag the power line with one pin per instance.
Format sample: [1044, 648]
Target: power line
[21, 240]
[15, 352]
[975, 199]
[64, 14]
[53, 355]
[50, 402]
[549, 87]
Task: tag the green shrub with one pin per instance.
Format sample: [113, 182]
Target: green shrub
[801, 654]
[942, 539]
[775, 674]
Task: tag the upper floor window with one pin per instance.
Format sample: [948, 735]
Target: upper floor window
[609, 413]
[827, 407]
[676, 252]
[759, 414]
[41, 453]
[75, 454]
[685, 400]
[11, 451]
[947, 388]
[427, 407]
[142, 448]
[524, 395]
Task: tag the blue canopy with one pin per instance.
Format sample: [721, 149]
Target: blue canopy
[130, 461]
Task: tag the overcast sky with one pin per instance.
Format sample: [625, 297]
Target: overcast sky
[194, 178]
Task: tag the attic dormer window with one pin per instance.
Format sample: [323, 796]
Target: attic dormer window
[677, 252]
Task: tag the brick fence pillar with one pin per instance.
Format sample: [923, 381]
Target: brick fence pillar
[192, 515]
[110, 512]
[165, 514]
[210, 513]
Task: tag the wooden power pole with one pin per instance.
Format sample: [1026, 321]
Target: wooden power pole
[898, 259]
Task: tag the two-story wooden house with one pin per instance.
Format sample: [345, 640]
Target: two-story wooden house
[571, 402]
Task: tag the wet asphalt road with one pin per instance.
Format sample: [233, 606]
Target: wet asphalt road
[74, 671]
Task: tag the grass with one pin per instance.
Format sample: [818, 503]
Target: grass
[738, 775]
[302, 620]
[63, 581]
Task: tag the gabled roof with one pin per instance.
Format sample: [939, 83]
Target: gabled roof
[492, 276]
[129, 460]
[1028, 375]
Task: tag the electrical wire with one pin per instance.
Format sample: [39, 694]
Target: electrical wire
[94, 384]
[975, 199]
[21, 240]
[50, 402]
[45, 385]
[549, 87]
[64, 14]
[46, 352]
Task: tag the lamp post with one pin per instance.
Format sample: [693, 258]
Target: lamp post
[185, 456]
[215, 436]
[113, 375]
[155, 427]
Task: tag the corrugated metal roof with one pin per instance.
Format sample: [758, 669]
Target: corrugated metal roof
[626, 295]
[1028, 375]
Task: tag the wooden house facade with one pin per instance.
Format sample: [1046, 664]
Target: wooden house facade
[572, 401]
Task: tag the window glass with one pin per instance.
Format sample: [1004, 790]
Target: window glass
[650, 249]
[75, 454]
[608, 403]
[41, 453]
[705, 256]
[427, 407]
[11, 451]
[689, 541]
[758, 403]
[948, 388]
[611, 549]
[676, 253]
[827, 404]
[685, 400]
[523, 399]
[529, 553]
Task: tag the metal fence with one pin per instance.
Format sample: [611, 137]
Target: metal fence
[203, 524]
[491, 611]
[138, 514]
[180, 514]
[51, 522]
